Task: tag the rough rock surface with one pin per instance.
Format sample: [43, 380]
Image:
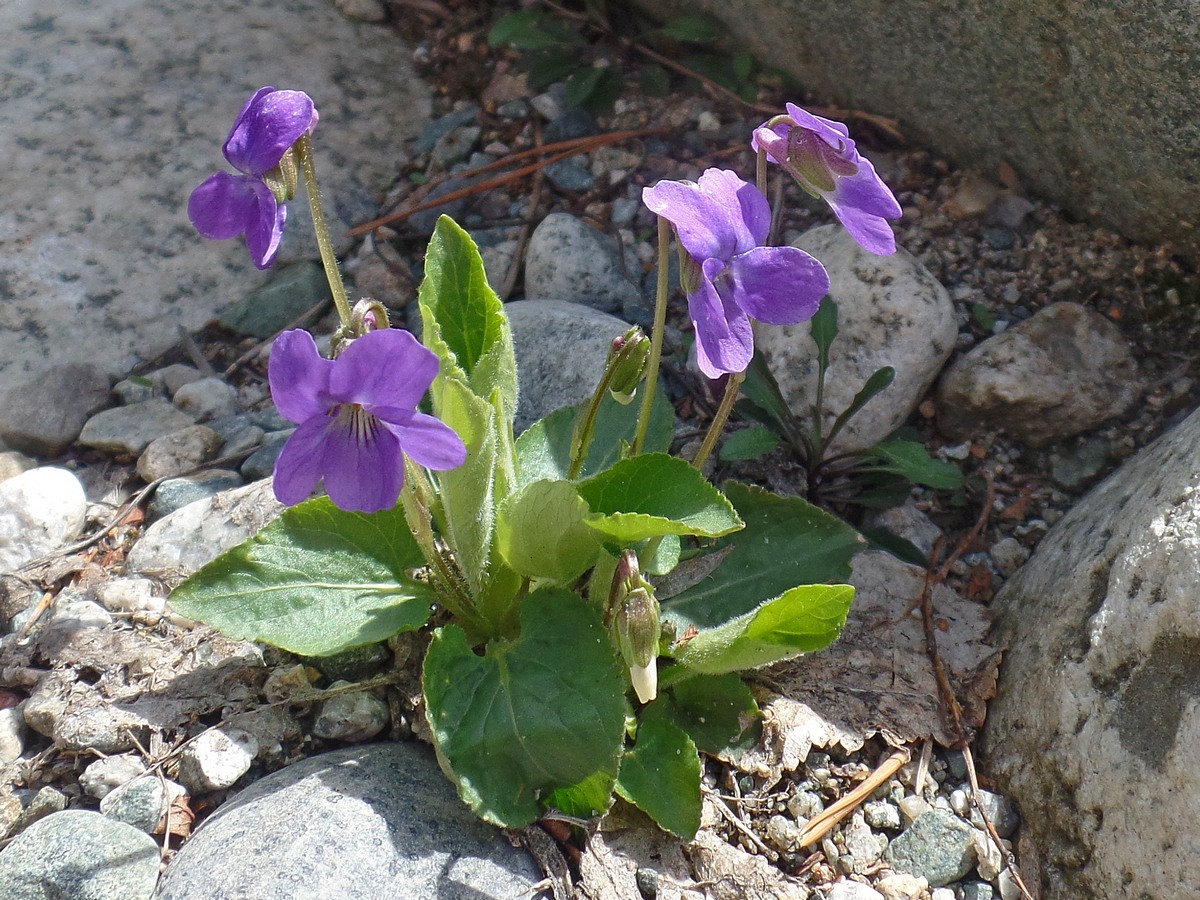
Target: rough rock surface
[40, 510]
[373, 821]
[570, 259]
[1061, 372]
[891, 312]
[1056, 90]
[1095, 722]
[561, 348]
[45, 415]
[114, 112]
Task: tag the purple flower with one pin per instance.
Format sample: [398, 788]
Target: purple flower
[819, 154]
[357, 418]
[728, 276]
[225, 205]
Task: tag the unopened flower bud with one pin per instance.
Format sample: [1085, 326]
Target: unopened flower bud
[628, 358]
[638, 625]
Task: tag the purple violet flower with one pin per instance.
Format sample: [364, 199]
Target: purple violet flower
[819, 154]
[225, 205]
[728, 276]
[357, 418]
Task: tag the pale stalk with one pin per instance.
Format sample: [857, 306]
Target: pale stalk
[760, 170]
[656, 335]
[305, 152]
[718, 423]
[417, 512]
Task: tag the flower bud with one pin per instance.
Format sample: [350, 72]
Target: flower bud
[627, 360]
[638, 625]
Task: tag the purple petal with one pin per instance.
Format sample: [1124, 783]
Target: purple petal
[299, 377]
[779, 285]
[221, 207]
[724, 338]
[872, 232]
[772, 140]
[387, 368]
[833, 133]
[866, 191]
[429, 441]
[301, 463]
[264, 234]
[364, 468]
[269, 123]
[715, 219]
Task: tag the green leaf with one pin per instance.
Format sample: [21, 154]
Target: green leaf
[463, 320]
[692, 29]
[743, 65]
[549, 66]
[748, 443]
[656, 494]
[879, 381]
[591, 797]
[541, 532]
[533, 715]
[661, 774]
[315, 581]
[594, 88]
[802, 620]
[531, 30]
[787, 541]
[544, 448]
[911, 460]
[983, 316]
[717, 711]
[824, 327]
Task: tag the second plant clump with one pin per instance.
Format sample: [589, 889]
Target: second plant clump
[555, 675]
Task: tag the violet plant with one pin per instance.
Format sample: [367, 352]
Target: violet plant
[558, 672]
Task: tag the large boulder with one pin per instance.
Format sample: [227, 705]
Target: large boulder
[1093, 103]
[1095, 723]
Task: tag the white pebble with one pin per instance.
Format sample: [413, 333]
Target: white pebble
[217, 759]
[105, 775]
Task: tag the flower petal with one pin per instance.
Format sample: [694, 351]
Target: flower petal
[300, 463]
[428, 440]
[724, 338]
[715, 219]
[299, 377]
[223, 206]
[779, 285]
[833, 133]
[264, 234]
[364, 468]
[386, 368]
[867, 191]
[872, 232]
[269, 123]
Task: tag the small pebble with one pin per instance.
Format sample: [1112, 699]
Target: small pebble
[959, 802]
[805, 804]
[783, 832]
[217, 759]
[142, 803]
[45, 802]
[178, 453]
[1000, 811]
[355, 716]
[105, 775]
[12, 733]
[1009, 554]
[882, 814]
[208, 398]
[913, 807]
[902, 886]
[175, 376]
[977, 890]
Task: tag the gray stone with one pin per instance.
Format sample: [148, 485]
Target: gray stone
[261, 463]
[363, 822]
[937, 846]
[135, 389]
[176, 493]
[291, 292]
[853, 890]
[1095, 709]
[964, 79]
[44, 415]
[13, 463]
[79, 855]
[208, 398]
[891, 312]
[239, 434]
[12, 734]
[356, 716]
[902, 886]
[570, 260]
[911, 524]
[137, 597]
[133, 102]
[104, 775]
[142, 803]
[570, 175]
[130, 429]
[216, 759]
[201, 531]
[1078, 467]
[178, 453]
[1063, 371]
[561, 349]
[40, 511]
[1008, 554]
[45, 802]
[1000, 812]
[881, 814]
[175, 376]
[862, 843]
[977, 890]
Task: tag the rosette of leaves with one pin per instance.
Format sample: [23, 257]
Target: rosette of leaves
[527, 699]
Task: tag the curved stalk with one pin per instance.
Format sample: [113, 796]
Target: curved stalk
[656, 335]
[305, 152]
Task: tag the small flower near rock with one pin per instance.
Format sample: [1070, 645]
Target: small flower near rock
[357, 418]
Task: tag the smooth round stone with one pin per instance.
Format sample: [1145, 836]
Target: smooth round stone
[176, 493]
[261, 463]
[217, 759]
[178, 453]
[363, 822]
[208, 398]
[40, 510]
[79, 855]
[130, 429]
[354, 717]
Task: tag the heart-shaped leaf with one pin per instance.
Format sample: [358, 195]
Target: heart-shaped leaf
[533, 715]
[661, 773]
[315, 581]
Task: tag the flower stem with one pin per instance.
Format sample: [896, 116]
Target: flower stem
[324, 242]
[718, 423]
[656, 335]
[585, 426]
[418, 513]
[760, 171]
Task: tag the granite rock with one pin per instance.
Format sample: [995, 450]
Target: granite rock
[45, 415]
